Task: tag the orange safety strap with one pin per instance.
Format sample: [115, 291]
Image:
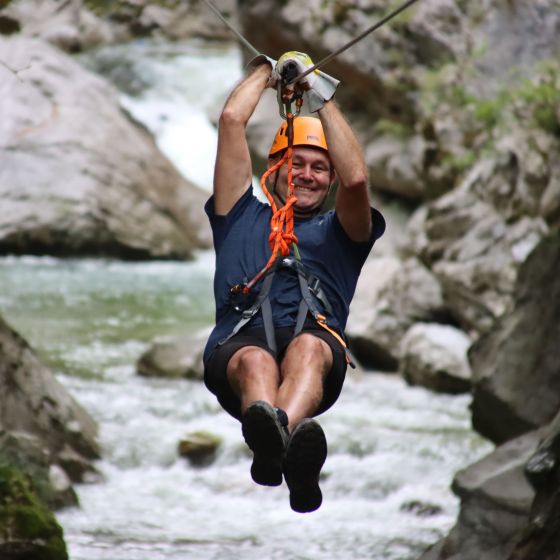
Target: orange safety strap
[282, 236]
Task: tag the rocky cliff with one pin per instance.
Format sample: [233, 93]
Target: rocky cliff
[458, 109]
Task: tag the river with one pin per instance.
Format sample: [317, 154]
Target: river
[393, 449]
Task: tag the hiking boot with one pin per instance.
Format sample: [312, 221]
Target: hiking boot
[305, 454]
[265, 432]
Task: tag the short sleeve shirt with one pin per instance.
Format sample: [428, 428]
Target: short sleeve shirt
[242, 250]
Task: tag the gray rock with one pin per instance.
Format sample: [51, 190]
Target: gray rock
[199, 448]
[44, 432]
[475, 252]
[495, 504]
[174, 357]
[69, 26]
[516, 365]
[79, 177]
[77, 25]
[391, 295]
[435, 356]
[540, 538]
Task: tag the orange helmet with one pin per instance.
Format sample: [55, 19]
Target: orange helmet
[308, 131]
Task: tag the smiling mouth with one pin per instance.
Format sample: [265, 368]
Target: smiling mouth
[304, 189]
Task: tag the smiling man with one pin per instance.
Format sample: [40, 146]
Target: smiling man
[277, 356]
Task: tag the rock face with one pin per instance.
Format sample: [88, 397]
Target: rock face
[517, 365]
[515, 369]
[78, 176]
[495, 504]
[539, 539]
[84, 24]
[41, 425]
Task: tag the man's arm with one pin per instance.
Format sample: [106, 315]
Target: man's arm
[233, 171]
[352, 198]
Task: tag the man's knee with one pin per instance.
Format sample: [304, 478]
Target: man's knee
[308, 346]
[251, 361]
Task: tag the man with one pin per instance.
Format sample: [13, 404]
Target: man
[275, 384]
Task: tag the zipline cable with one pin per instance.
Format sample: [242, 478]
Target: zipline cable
[328, 58]
[224, 20]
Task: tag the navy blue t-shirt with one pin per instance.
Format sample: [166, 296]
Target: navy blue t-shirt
[242, 249]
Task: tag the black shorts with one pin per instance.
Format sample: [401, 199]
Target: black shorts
[215, 376]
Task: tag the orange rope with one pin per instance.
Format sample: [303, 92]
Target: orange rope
[282, 236]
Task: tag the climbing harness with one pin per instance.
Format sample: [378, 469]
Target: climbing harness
[313, 300]
[282, 240]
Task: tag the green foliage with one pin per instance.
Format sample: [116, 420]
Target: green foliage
[535, 100]
[24, 519]
[392, 128]
[462, 162]
[340, 11]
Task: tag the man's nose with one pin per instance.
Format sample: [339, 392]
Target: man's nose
[306, 173]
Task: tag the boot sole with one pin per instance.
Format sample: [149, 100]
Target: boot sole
[305, 455]
[263, 435]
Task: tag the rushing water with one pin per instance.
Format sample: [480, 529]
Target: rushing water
[392, 449]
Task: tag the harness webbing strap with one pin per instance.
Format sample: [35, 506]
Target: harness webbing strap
[250, 312]
[311, 294]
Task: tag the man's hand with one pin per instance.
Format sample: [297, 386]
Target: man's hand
[318, 86]
[263, 59]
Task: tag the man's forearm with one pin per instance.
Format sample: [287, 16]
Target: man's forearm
[243, 100]
[345, 151]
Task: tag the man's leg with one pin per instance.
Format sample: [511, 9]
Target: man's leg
[254, 377]
[306, 362]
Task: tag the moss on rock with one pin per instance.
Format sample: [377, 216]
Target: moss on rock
[27, 528]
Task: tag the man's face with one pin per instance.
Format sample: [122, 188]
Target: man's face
[311, 175]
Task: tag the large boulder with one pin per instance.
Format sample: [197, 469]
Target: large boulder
[435, 356]
[516, 365]
[391, 295]
[41, 424]
[495, 503]
[174, 357]
[79, 176]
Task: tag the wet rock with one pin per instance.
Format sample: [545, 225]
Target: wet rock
[516, 365]
[174, 357]
[199, 448]
[420, 508]
[435, 356]
[390, 297]
[78, 176]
